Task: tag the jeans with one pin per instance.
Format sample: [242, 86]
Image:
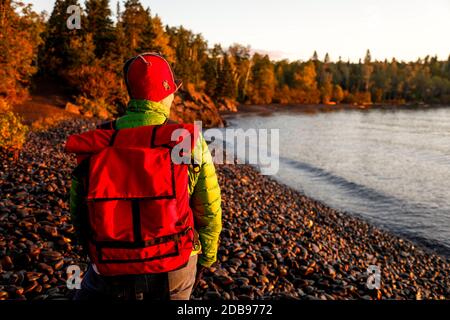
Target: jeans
[174, 285]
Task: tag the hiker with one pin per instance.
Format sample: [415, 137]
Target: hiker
[149, 226]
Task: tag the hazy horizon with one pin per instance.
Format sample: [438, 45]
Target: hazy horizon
[406, 30]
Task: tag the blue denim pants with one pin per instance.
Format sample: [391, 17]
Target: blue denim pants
[174, 285]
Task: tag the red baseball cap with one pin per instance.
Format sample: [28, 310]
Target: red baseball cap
[148, 76]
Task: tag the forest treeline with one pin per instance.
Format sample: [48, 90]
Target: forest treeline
[89, 62]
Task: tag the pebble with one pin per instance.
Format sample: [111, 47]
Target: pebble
[276, 243]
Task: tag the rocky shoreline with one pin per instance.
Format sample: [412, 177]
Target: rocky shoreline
[275, 244]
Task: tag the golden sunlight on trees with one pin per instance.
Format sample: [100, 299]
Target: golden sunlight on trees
[88, 63]
[262, 82]
[338, 94]
[12, 131]
[20, 30]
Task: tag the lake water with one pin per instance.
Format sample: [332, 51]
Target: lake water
[391, 168]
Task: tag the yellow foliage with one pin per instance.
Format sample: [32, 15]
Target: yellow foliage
[97, 108]
[20, 30]
[97, 83]
[12, 131]
[362, 98]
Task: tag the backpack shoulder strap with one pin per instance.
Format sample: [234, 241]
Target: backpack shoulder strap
[169, 121]
[81, 172]
[109, 125]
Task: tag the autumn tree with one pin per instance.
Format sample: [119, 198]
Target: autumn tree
[325, 80]
[242, 69]
[20, 30]
[338, 94]
[262, 83]
[326, 88]
[89, 61]
[305, 89]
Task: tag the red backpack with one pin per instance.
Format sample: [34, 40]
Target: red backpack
[136, 197]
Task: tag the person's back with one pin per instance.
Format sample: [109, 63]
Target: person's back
[151, 87]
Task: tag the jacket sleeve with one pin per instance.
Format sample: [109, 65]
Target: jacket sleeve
[76, 200]
[78, 206]
[206, 203]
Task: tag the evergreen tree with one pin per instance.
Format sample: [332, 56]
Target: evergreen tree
[211, 70]
[100, 25]
[327, 59]
[161, 40]
[367, 71]
[190, 53]
[90, 60]
[54, 56]
[315, 56]
[448, 68]
[135, 23]
[226, 86]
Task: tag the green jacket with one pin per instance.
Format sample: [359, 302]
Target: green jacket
[204, 190]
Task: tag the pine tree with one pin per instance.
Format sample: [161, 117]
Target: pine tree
[161, 40]
[447, 68]
[367, 71]
[134, 20]
[210, 76]
[91, 61]
[191, 54]
[211, 70]
[226, 87]
[147, 35]
[54, 55]
[315, 56]
[100, 24]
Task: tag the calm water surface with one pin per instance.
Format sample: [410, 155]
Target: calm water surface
[390, 167]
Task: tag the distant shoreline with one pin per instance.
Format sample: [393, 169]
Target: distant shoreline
[320, 108]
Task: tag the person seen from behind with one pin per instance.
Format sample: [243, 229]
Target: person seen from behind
[150, 226]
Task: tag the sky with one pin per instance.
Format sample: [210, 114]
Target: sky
[293, 29]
